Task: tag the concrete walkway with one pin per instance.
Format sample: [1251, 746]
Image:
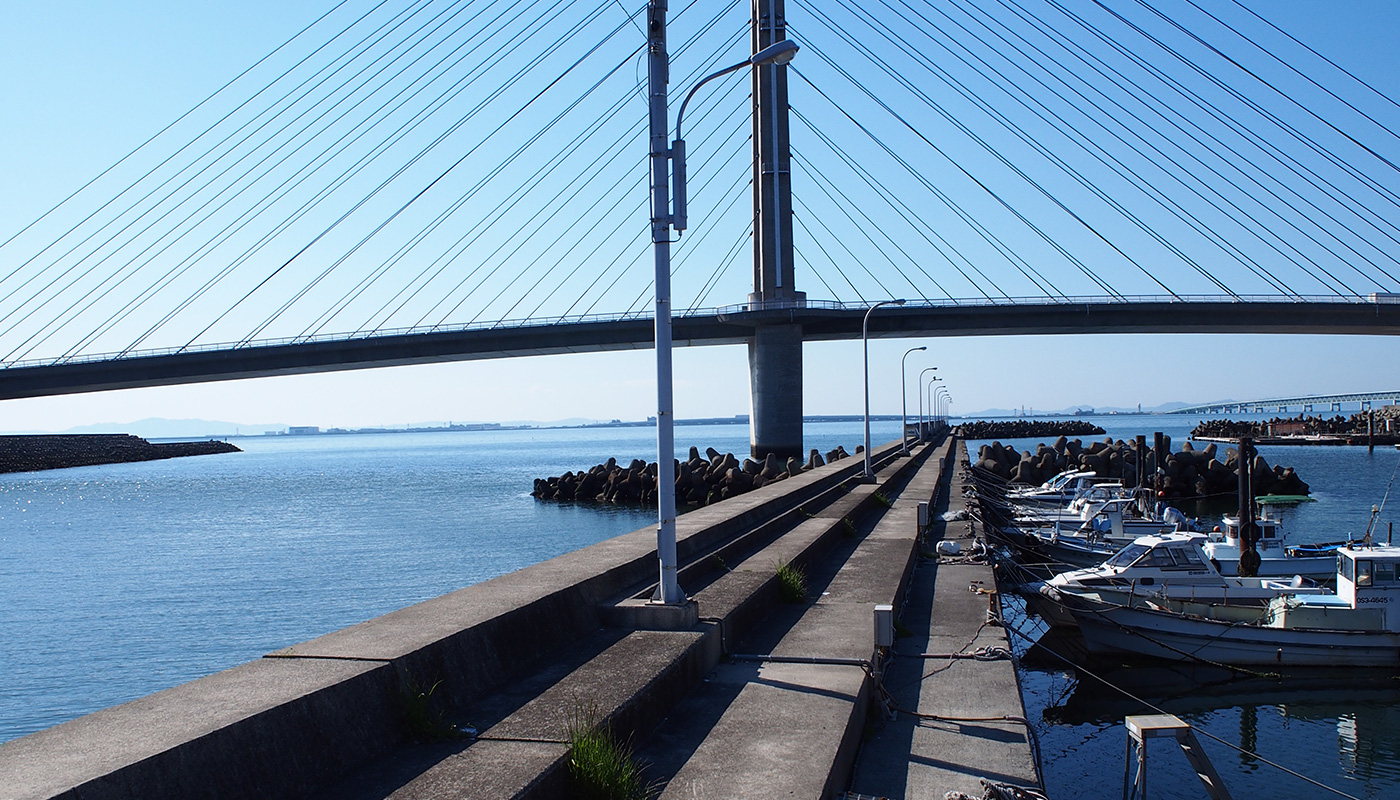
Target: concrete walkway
[761, 727]
[961, 727]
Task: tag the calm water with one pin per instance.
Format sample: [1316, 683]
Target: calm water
[121, 580]
[1341, 728]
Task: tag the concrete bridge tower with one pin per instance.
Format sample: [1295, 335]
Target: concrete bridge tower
[775, 351]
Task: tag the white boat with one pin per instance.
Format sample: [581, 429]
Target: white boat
[1169, 566]
[1275, 559]
[1357, 626]
[1059, 490]
[1081, 507]
[1113, 523]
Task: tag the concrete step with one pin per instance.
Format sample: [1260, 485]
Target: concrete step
[629, 679]
[767, 728]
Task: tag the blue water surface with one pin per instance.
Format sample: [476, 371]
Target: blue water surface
[121, 580]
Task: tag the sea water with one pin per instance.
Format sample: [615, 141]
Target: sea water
[120, 580]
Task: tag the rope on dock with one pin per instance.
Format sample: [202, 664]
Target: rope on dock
[991, 790]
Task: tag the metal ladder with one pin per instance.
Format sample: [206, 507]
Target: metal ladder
[1158, 726]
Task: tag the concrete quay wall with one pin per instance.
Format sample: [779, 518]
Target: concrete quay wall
[302, 718]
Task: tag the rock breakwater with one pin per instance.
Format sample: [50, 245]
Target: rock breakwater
[1189, 473]
[1026, 428]
[700, 480]
[1384, 422]
[32, 453]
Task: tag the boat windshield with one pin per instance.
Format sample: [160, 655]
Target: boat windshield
[1127, 555]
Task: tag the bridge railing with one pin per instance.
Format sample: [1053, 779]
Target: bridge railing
[694, 313]
[1064, 300]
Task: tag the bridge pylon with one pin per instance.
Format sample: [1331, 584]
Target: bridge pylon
[775, 349]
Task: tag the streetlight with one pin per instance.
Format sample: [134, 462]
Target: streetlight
[658, 69]
[946, 397]
[865, 348]
[921, 400]
[903, 401]
[931, 382]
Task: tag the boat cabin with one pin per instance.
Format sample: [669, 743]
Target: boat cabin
[1369, 575]
[1150, 559]
[1367, 598]
[1270, 535]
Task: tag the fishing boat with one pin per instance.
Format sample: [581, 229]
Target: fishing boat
[1358, 626]
[1168, 566]
[1276, 559]
[1059, 490]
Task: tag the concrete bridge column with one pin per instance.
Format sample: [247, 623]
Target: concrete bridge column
[775, 351]
[775, 391]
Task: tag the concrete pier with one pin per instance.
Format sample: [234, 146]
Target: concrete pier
[519, 656]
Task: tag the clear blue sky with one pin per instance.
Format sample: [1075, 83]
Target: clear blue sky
[84, 82]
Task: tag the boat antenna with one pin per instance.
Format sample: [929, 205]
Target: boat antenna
[1376, 510]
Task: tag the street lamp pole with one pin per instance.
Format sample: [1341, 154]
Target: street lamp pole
[945, 396]
[904, 401]
[662, 160]
[865, 349]
[931, 404]
[920, 381]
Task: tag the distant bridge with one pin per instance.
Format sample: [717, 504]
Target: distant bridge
[1282, 404]
[820, 321]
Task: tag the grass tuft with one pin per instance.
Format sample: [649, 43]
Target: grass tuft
[792, 583]
[883, 499]
[848, 528]
[601, 767]
[424, 717]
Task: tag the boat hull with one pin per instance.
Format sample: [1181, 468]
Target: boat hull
[1160, 634]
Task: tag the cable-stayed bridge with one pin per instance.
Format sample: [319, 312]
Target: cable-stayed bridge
[437, 180]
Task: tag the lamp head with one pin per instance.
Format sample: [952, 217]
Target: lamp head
[925, 347]
[898, 302]
[776, 54]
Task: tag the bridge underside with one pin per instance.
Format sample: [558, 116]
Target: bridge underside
[818, 324]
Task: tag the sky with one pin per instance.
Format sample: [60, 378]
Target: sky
[85, 82]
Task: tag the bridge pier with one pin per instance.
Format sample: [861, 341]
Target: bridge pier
[775, 351]
[775, 391]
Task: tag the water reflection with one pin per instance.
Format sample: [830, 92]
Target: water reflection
[1338, 727]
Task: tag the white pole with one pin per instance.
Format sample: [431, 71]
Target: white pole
[904, 402]
[922, 430]
[668, 588]
[658, 67]
[865, 349]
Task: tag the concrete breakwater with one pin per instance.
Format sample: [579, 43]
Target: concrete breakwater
[1382, 424]
[1026, 428]
[1189, 473]
[699, 480]
[31, 453]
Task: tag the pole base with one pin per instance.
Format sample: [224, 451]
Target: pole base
[648, 615]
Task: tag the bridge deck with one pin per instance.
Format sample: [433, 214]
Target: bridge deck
[715, 327]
